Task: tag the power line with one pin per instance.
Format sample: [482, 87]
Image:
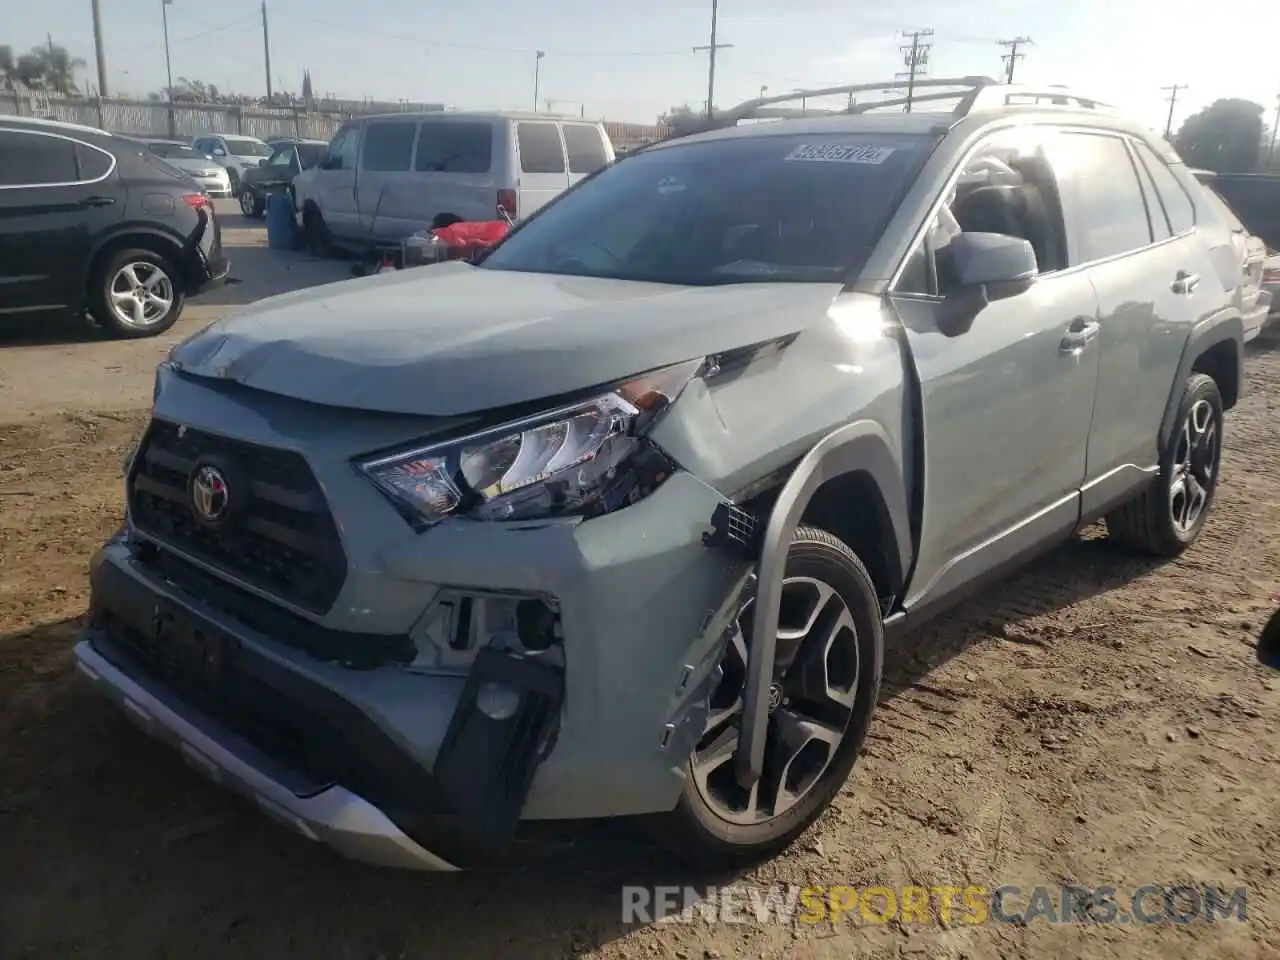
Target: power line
[711, 49]
[1173, 91]
[1013, 56]
[915, 56]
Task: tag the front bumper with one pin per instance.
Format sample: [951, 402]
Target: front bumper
[641, 638]
[329, 814]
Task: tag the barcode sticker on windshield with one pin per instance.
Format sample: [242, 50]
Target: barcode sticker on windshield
[839, 153]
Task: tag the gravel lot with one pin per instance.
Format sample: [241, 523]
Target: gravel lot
[1099, 720]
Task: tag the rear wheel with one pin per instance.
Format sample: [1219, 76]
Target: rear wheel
[136, 293]
[826, 677]
[1169, 515]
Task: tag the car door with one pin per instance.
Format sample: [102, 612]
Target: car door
[544, 174]
[386, 182]
[56, 196]
[1137, 245]
[1005, 404]
[336, 186]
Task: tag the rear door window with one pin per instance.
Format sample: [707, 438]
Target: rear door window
[585, 145]
[32, 160]
[388, 146]
[1107, 208]
[1173, 197]
[454, 146]
[540, 148]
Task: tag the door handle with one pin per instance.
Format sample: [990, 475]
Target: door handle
[1185, 283]
[96, 202]
[1082, 331]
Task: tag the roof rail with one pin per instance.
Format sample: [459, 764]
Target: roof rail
[758, 108]
[1018, 95]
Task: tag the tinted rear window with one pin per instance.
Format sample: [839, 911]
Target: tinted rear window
[455, 146]
[388, 147]
[94, 164]
[28, 159]
[586, 148]
[540, 148]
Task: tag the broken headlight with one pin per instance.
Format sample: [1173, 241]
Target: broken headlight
[583, 459]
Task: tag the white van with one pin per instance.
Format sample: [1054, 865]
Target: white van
[385, 177]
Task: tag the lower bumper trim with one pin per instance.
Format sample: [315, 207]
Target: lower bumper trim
[336, 817]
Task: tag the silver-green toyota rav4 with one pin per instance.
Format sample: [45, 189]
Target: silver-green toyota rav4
[618, 519]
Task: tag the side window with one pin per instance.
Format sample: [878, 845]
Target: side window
[1173, 196]
[94, 164]
[342, 149]
[281, 158]
[388, 146]
[32, 160]
[585, 147]
[1106, 207]
[1007, 187]
[1160, 228]
[540, 148]
[454, 146]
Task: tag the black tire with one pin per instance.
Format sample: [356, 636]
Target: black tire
[315, 233]
[108, 273]
[694, 831]
[1147, 523]
[251, 204]
[234, 179]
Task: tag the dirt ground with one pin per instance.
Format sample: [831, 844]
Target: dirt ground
[1099, 720]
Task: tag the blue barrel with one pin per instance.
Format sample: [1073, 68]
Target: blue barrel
[282, 224]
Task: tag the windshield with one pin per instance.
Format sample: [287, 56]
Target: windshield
[244, 147]
[174, 151]
[741, 210]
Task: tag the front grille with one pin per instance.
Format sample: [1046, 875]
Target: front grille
[282, 538]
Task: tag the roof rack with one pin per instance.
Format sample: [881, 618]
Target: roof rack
[971, 94]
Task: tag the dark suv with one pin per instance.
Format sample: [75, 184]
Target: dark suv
[91, 221]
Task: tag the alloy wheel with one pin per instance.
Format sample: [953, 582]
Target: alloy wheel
[247, 203]
[141, 294]
[811, 700]
[1195, 467]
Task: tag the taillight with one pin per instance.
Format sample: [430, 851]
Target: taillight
[506, 204]
[1271, 275]
[197, 201]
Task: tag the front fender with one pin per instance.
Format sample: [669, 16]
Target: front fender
[859, 447]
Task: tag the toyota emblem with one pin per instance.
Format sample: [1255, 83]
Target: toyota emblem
[210, 495]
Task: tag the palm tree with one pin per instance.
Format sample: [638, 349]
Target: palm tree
[58, 68]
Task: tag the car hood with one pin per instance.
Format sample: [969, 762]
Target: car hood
[453, 339]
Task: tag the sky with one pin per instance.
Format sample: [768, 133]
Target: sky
[633, 61]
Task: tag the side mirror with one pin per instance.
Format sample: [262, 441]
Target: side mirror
[262, 162]
[988, 267]
[219, 152]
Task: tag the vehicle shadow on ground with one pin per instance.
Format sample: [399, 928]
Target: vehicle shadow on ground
[259, 271]
[117, 846]
[46, 329]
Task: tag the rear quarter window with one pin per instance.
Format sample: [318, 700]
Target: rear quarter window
[585, 145]
[94, 164]
[540, 147]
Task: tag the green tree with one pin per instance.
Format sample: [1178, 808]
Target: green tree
[1223, 137]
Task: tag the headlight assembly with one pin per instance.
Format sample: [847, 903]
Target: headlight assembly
[580, 460]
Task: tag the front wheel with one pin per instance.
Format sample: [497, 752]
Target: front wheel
[826, 677]
[251, 204]
[1170, 514]
[136, 293]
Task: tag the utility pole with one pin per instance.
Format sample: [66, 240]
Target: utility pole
[266, 48]
[168, 63]
[1013, 56]
[711, 49]
[537, 76]
[97, 47]
[1275, 129]
[915, 56]
[1173, 102]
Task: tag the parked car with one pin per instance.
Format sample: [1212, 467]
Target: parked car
[287, 160]
[210, 175]
[98, 222]
[386, 177]
[1254, 297]
[237, 154]
[621, 519]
